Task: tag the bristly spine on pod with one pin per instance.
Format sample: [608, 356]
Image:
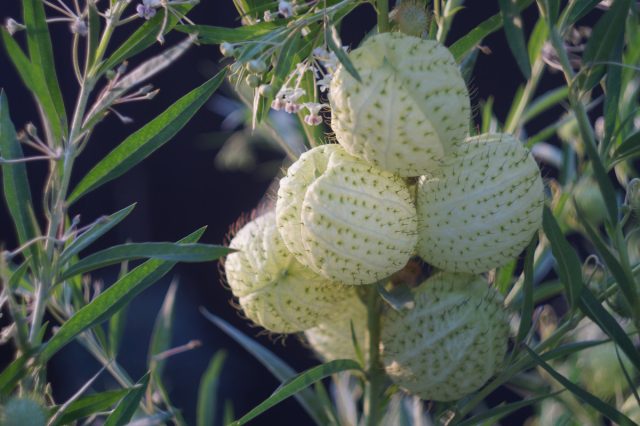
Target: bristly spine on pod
[411, 17]
[451, 342]
[344, 218]
[273, 289]
[410, 109]
[482, 207]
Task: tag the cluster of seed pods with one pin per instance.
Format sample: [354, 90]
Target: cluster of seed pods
[405, 179]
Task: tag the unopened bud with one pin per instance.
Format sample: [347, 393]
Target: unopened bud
[266, 90]
[13, 26]
[227, 49]
[79, 27]
[31, 130]
[256, 66]
[252, 80]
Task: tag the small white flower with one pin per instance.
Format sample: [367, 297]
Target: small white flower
[324, 82]
[313, 107]
[285, 9]
[78, 26]
[147, 9]
[268, 16]
[13, 26]
[278, 103]
[292, 107]
[312, 120]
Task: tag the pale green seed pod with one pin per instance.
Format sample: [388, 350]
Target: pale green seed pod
[273, 289]
[482, 208]
[344, 218]
[410, 109]
[451, 342]
[21, 412]
[333, 339]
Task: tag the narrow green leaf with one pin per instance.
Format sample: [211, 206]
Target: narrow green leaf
[496, 413]
[606, 35]
[131, 251]
[330, 36]
[466, 44]
[117, 325]
[41, 54]
[625, 279]
[146, 140]
[296, 384]
[613, 88]
[102, 226]
[504, 277]
[208, 391]
[93, 35]
[144, 37]
[12, 374]
[89, 405]
[15, 181]
[271, 362]
[604, 408]
[128, 405]
[208, 34]
[526, 311]
[162, 331]
[229, 415]
[537, 40]
[598, 314]
[514, 31]
[629, 149]
[111, 300]
[545, 102]
[568, 263]
[576, 10]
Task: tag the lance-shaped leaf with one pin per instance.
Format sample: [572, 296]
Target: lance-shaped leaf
[162, 332]
[604, 408]
[568, 263]
[127, 407]
[144, 36]
[602, 44]
[89, 405]
[576, 10]
[131, 251]
[102, 226]
[493, 415]
[112, 300]
[208, 34]
[12, 374]
[14, 178]
[629, 149]
[271, 362]
[145, 141]
[527, 289]
[298, 383]
[208, 391]
[41, 54]
[515, 34]
[466, 44]
[332, 39]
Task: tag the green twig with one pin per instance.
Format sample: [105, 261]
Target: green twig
[382, 7]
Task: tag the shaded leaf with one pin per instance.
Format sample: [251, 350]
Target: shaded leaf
[577, 10]
[296, 384]
[629, 149]
[128, 405]
[208, 390]
[208, 34]
[513, 28]
[103, 226]
[131, 251]
[331, 38]
[12, 374]
[568, 263]
[162, 331]
[41, 54]
[604, 408]
[526, 312]
[111, 300]
[90, 404]
[271, 362]
[496, 413]
[17, 192]
[146, 140]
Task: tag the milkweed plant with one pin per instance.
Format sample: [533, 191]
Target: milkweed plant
[422, 248]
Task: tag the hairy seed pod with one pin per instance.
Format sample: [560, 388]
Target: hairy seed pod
[411, 17]
[483, 206]
[274, 290]
[411, 107]
[333, 339]
[451, 342]
[345, 218]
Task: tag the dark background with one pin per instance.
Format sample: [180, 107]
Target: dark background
[178, 189]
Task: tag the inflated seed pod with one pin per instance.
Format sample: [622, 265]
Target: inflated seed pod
[483, 206]
[451, 342]
[333, 339]
[408, 111]
[273, 289]
[344, 218]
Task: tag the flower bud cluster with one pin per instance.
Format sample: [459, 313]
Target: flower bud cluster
[351, 214]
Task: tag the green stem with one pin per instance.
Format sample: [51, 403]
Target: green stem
[375, 373]
[382, 7]
[514, 124]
